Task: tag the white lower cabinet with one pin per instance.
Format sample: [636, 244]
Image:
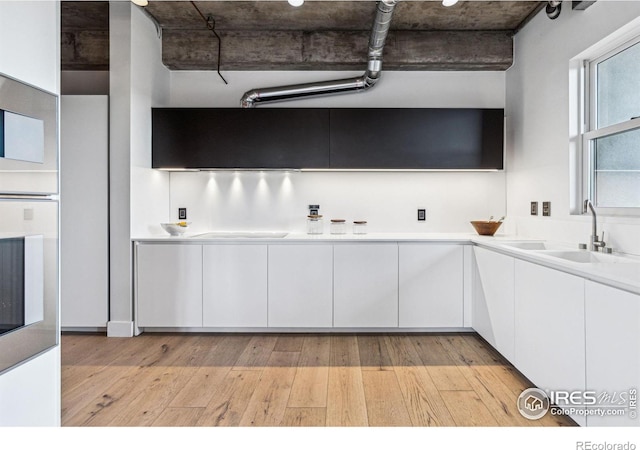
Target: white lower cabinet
[431, 285]
[365, 291]
[550, 329]
[234, 286]
[169, 285]
[613, 353]
[301, 285]
[493, 300]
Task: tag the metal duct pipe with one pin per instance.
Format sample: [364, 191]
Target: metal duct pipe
[377, 40]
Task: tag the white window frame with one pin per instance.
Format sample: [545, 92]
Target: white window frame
[591, 132]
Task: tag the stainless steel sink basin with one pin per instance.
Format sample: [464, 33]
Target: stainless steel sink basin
[241, 235]
[583, 256]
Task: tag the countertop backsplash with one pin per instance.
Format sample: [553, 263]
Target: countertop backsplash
[388, 201]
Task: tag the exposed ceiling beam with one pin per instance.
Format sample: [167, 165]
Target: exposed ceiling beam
[84, 50]
[336, 50]
[324, 35]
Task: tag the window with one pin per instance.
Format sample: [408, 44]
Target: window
[611, 142]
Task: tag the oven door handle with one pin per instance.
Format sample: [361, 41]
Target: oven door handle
[26, 197]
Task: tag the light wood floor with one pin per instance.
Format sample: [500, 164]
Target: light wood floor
[289, 380]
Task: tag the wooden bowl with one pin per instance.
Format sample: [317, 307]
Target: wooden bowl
[485, 227]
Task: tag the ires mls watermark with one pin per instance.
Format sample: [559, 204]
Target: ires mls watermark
[534, 403]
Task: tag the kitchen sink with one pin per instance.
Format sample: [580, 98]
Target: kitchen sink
[583, 256]
[529, 245]
[242, 235]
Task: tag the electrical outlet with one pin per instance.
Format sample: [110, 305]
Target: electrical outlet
[534, 208]
[422, 215]
[182, 213]
[314, 210]
[546, 209]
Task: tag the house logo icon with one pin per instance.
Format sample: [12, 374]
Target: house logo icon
[533, 403]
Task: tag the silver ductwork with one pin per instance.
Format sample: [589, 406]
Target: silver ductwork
[377, 40]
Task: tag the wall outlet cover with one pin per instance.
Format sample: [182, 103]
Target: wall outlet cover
[182, 213]
[422, 215]
[546, 209]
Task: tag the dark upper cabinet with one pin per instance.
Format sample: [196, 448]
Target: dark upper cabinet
[408, 138]
[234, 138]
[345, 138]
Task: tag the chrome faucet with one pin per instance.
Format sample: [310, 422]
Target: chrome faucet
[595, 243]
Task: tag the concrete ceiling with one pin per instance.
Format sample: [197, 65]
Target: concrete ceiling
[319, 35]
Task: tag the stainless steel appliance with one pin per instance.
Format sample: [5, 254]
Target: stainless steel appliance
[29, 210]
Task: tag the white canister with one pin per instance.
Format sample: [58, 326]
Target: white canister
[359, 227]
[315, 225]
[338, 226]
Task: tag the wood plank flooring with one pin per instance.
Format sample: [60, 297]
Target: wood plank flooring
[287, 380]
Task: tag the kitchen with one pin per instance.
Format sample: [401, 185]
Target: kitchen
[538, 165]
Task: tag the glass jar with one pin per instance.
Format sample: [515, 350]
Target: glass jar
[338, 226]
[359, 227]
[315, 224]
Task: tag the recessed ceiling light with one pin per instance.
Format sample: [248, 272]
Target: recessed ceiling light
[295, 2]
[141, 2]
[449, 2]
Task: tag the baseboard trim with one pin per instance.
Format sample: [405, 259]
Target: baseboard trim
[303, 330]
[83, 329]
[120, 329]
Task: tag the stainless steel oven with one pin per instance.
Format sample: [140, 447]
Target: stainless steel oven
[29, 210]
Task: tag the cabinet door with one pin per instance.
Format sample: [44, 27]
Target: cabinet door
[169, 285]
[417, 138]
[300, 286]
[550, 333]
[277, 138]
[234, 286]
[430, 285]
[365, 291]
[613, 351]
[493, 301]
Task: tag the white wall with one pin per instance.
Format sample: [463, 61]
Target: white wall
[84, 193]
[120, 311]
[30, 393]
[395, 89]
[387, 200]
[30, 52]
[139, 196]
[149, 87]
[29, 32]
[541, 140]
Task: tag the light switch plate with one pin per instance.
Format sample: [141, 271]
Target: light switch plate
[534, 208]
[182, 213]
[422, 215]
[546, 209]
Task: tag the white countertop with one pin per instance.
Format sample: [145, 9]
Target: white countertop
[621, 275]
[326, 237]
